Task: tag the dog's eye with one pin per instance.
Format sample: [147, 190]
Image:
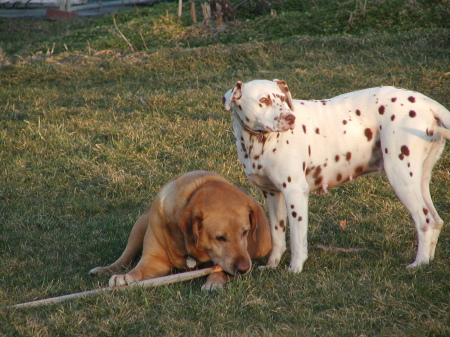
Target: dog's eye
[221, 238]
[245, 233]
[264, 100]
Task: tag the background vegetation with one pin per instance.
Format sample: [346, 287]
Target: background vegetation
[96, 114]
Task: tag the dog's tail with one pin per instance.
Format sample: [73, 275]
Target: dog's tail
[442, 115]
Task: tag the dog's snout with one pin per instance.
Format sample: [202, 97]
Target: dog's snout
[290, 119]
[243, 266]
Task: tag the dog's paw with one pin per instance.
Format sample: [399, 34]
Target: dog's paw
[273, 262]
[417, 264]
[295, 268]
[98, 271]
[210, 286]
[121, 280]
[215, 281]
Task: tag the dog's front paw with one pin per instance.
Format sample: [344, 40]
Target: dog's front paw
[293, 268]
[209, 286]
[417, 264]
[215, 281]
[121, 280]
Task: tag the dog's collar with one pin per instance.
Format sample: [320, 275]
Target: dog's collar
[259, 134]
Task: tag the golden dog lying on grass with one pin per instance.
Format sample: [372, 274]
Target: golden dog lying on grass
[196, 218]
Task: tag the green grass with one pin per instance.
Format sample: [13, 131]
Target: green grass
[90, 132]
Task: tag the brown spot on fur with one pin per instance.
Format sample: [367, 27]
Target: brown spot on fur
[289, 179]
[392, 117]
[369, 134]
[401, 156]
[412, 99]
[317, 172]
[336, 158]
[348, 156]
[386, 150]
[294, 214]
[317, 131]
[309, 150]
[339, 177]
[393, 99]
[358, 112]
[274, 150]
[292, 206]
[344, 122]
[308, 170]
[359, 170]
[281, 223]
[304, 128]
[318, 181]
[381, 109]
[412, 114]
[284, 185]
[300, 218]
[405, 150]
[259, 167]
[304, 166]
[425, 211]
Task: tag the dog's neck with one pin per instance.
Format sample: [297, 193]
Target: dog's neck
[259, 133]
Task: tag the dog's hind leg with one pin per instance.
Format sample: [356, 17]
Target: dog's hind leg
[433, 155]
[407, 170]
[276, 208]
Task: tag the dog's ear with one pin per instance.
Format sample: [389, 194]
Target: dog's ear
[258, 240]
[191, 224]
[285, 90]
[232, 95]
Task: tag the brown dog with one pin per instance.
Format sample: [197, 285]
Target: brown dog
[196, 218]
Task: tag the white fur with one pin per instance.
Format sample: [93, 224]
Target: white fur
[332, 141]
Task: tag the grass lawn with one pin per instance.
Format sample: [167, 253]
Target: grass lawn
[91, 128]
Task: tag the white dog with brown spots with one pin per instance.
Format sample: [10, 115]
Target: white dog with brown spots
[289, 148]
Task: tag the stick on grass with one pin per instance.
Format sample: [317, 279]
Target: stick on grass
[155, 282]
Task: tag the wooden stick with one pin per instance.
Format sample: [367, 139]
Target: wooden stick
[155, 282]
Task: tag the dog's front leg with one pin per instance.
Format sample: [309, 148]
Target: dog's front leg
[297, 206]
[276, 208]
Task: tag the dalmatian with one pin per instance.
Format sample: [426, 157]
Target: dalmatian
[289, 148]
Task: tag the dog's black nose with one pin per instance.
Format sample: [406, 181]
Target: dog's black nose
[290, 119]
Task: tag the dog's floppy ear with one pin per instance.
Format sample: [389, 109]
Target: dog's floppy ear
[285, 90]
[258, 240]
[232, 95]
[191, 224]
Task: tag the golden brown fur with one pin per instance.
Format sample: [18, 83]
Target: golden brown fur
[198, 216]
